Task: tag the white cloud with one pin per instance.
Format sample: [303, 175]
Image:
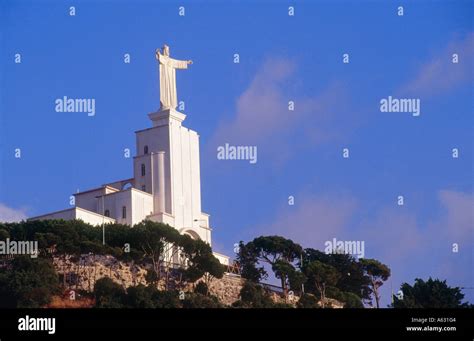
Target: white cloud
[8, 214]
[262, 116]
[313, 219]
[457, 222]
[440, 74]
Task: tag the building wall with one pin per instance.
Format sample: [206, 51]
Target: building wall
[68, 214]
[118, 185]
[223, 259]
[157, 140]
[141, 180]
[142, 206]
[185, 179]
[87, 200]
[92, 217]
[76, 213]
[114, 203]
[138, 205]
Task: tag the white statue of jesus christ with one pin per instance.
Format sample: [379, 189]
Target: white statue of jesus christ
[168, 98]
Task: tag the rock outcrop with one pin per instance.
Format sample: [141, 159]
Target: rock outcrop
[81, 273]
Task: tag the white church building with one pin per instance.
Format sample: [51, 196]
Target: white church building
[166, 184]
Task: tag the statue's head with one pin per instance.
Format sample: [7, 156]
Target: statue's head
[166, 50]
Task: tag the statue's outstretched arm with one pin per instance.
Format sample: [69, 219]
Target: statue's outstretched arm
[180, 64]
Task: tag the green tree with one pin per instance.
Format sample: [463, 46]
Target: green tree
[253, 295]
[195, 300]
[140, 296]
[201, 288]
[108, 294]
[351, 300]
[429, 294]
[308, 301]
[150, 238]
[323, 276]
[378, 273]
[28, 283]
[282, 270]
[200, 260]
[352, 276]
[247, 257]
[280, 253]
[4, 233]
[166, 299]
[296, 279]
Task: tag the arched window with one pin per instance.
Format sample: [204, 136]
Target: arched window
[145, 150]
[124, 212]
[126, 185]
[143, 169]
[107, 213]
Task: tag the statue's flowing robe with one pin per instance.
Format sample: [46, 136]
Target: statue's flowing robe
[168, 98]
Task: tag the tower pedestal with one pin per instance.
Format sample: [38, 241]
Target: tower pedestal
[165, 117]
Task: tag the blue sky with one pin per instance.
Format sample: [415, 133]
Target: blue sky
[282, 58]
